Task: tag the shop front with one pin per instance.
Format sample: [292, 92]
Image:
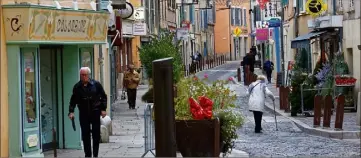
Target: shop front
[46, 48]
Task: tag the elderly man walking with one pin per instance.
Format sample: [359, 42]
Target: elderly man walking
[91, 99]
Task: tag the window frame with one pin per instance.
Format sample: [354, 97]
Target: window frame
[91, 51]
[30, 128]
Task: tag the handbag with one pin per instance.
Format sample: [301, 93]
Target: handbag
[123, 96]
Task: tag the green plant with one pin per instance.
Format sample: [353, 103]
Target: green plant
[308, 96]
[230, 120]
[160, 47]
[297, 79]
[224, 102]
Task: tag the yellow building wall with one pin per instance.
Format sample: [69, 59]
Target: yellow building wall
[222, 32]
[135, 40]
[4, 107]
[106, 69]
[83, 4]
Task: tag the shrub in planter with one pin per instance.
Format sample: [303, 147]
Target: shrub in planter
[222, 100]
[161, 47]
[297, 79]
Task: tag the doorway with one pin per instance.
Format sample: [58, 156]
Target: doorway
[48, 95]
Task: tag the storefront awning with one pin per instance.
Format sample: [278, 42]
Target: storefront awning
[304, 40]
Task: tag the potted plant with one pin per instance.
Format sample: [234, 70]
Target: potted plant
[162, 46]
[205, 118]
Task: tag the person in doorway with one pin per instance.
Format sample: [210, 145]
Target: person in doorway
[268, 67]
[131, 82]
[91, 99]
[258, 91]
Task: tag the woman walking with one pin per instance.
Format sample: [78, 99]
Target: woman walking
[258, 91]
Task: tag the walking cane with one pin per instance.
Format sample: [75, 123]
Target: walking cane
[274, 109]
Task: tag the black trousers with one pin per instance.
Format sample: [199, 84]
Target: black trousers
[86, 120]
[258, 120]
[269, 75]
[132, 97]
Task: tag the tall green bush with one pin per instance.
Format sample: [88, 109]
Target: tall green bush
[160, 47]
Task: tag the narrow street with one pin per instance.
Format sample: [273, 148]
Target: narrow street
[128, 130]
[289, 140]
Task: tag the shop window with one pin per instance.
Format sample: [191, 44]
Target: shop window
[29, 83]
[87, 59]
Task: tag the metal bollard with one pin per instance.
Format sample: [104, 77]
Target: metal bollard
[54, 143]
[339, 112]
[287, 91]
[317, 110]
[327, 111]
[282, 92]
[239, 74]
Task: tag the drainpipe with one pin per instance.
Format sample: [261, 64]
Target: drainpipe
[296, 22]
[282, 46]
[100, 49]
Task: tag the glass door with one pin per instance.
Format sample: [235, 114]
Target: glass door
[48, 95]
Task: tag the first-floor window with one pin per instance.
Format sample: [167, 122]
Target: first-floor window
[87, 58]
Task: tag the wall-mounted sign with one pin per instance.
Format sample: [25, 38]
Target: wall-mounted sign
[46, 24]
[237, 32]
[127, 28]
[128, 12]
[32, 140]
[182, 33]
[315, 7]
[262, 34]
[139, 13]
[186, 24]
[139, 29]
[262, 3]
[274, 22]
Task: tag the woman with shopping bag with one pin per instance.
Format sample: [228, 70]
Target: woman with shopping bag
[258, 92]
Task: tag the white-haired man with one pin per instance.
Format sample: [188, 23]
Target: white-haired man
[91, 99]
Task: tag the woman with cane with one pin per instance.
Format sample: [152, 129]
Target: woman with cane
[258, 91]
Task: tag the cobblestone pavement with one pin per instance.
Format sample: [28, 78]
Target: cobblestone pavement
[289, 140]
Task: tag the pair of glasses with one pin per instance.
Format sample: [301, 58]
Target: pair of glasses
[83, 74]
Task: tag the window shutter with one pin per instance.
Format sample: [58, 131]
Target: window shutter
[245, 17]
[191, 14]
[214, 14]
[236, 16]
[232, 16]
[240, 17]
[205, 18]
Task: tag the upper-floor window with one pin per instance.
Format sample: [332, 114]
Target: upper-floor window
[171, 4]
[302, 5]
[352, 4]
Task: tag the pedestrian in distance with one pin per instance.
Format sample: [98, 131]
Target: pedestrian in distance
[131, 82]
[268, 67]
[258, 91]
[91, 99]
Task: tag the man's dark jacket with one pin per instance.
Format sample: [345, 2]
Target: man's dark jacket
[88, 98]
[249, 60]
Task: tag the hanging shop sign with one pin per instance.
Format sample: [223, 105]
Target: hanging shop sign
[315, 7]
[39, 25]
[262, 34]
[182, 33]
[127, 28]
[128, 12]
[186, 24]
[139, 13]
[139, 29]
[262, 3]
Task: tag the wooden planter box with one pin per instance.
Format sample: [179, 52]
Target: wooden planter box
[198, 138]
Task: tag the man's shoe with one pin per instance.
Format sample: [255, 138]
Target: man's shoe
[258, 132]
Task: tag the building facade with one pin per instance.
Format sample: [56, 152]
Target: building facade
[43, 47]
[227, 42]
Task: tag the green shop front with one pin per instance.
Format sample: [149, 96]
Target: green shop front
[46, 48]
